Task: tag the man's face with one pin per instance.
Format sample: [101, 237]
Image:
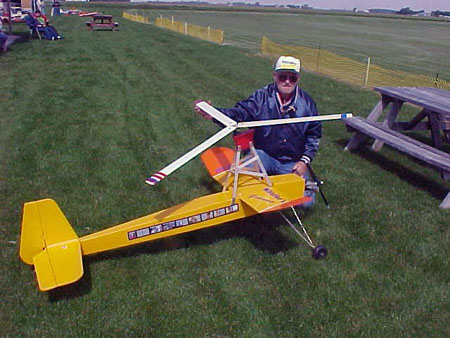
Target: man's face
[285, 81]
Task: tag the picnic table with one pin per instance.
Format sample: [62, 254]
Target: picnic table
[434, 117]
[102, 22]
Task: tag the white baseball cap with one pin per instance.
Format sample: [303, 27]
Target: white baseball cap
[287, 64]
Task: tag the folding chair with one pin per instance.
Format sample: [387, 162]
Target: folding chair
[34, 26]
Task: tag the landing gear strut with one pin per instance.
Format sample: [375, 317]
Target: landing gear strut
[319, 251]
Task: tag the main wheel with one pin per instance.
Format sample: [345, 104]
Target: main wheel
[320, 252]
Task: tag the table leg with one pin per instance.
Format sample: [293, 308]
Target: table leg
[378, 109]
[374, 115]
[435, 126]
[390, 118]
[445, 204]
[447, 135]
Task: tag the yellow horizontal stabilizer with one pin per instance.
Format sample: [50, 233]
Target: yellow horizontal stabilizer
[58, 265]
[286, 190]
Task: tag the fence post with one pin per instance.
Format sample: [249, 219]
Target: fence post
[318, 60]
[185, 28]
[367, 72]
[209, 33]
[436, 80]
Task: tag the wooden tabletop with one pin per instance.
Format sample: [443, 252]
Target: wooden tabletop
[433, 99]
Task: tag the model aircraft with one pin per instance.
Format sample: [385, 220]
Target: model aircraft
[50, 244]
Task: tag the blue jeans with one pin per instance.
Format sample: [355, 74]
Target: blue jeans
[275, 167]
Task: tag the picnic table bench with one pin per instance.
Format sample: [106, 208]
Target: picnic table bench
[102, 22]
[435, 104]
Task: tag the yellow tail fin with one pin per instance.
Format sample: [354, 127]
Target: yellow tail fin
[48, 242]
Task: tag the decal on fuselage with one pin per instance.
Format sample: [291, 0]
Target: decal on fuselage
[189, 220]
[274, 195]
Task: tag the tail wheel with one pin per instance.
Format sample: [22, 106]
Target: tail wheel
[320, 252]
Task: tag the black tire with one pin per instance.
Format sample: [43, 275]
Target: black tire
[320, 252]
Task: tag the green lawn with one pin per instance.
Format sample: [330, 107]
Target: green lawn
[86, 119]
[417, 46]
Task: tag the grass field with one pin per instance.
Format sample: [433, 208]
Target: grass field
[86, 119]
[409, 45]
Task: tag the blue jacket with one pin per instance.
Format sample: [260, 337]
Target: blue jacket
[290, 142]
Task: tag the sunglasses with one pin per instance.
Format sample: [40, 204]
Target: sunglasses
[291, 77]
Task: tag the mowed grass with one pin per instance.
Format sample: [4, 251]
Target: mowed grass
[416, 46]
[86, 119]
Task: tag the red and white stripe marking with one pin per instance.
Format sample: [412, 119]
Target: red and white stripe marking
[155, 178]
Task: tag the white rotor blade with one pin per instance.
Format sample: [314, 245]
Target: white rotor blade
[160, 175]
[219, 116]
[274, 122]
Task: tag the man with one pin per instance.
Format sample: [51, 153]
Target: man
[286, 148]
[39, 22]
[41, 18]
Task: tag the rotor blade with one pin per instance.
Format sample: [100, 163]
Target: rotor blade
[219, 116]
[160, 175]
[274, 122]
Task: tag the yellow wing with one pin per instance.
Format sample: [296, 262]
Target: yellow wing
[286, 190]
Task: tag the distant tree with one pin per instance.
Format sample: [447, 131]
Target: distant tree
[408, 11]
[440, 13]
[405, 11]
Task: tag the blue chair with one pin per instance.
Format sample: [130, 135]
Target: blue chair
[35, 26]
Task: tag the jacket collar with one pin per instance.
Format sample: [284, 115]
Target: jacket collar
[288, 106]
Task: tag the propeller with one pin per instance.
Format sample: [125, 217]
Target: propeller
[230, 126]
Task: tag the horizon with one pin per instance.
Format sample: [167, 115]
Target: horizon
[427, 5]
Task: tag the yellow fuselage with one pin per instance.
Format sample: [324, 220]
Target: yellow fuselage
[253, 197]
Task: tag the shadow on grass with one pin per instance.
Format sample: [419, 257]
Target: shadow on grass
[77, 289]
[22, 37]
[260, 230]
[420, 181]
[14, 39]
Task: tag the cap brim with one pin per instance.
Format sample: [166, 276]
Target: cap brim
[287, 71]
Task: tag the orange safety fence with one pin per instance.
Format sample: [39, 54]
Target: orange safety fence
[204, 33]
[349, 70]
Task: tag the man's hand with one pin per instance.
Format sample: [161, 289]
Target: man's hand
[299, 168]
[201, 112]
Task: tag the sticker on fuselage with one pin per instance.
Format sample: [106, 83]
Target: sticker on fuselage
[182, 222]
